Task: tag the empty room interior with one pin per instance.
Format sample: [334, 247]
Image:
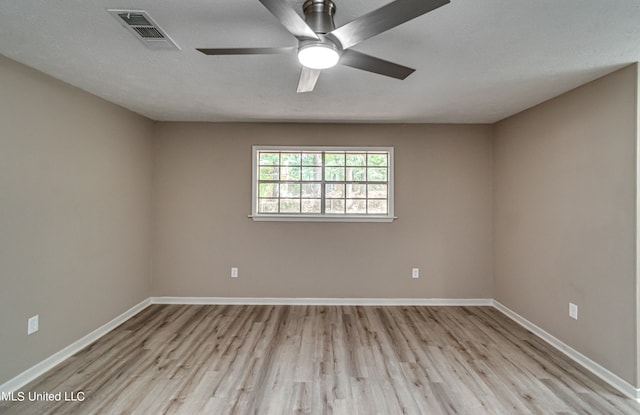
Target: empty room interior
[346, 207]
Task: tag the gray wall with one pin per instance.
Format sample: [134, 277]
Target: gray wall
[203, 196]
[637, 226]
[75, 184]
[545, 200]
[565, 218]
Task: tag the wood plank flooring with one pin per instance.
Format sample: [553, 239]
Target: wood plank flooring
[230, 359]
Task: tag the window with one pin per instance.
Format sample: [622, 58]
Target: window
[323, 183]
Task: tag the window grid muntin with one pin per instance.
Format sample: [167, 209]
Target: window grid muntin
[386, 155]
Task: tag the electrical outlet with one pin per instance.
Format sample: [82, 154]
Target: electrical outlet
[573, 311]
[32, 325]
[415, 273]
[234, 272]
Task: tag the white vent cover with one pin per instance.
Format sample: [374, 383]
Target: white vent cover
[144, 28]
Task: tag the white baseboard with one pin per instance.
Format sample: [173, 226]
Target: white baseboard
[603, 373]
[325, 301]
[57, 358]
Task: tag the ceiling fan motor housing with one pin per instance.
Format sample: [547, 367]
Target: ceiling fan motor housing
[319, 15]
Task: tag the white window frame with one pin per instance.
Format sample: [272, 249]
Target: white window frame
[326, 217]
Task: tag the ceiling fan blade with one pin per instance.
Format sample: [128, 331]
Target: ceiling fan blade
[289, 19]
[308, 79]
[368, 63]
[247, 51]
[382, 19]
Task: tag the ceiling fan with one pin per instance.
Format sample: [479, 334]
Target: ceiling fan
[322, 46]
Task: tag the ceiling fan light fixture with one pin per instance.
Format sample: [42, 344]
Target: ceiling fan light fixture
[318, 56]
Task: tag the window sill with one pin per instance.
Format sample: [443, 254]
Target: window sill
[324, 218]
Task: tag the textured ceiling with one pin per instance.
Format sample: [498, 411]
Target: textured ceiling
[476, 61]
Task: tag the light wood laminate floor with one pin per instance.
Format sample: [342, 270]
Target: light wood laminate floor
[231, 359]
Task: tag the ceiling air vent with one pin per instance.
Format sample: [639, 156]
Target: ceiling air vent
[144, 28]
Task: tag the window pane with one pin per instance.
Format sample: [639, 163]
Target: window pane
[289, 190]
[269, 158]
[312, 159]
[356, 159]
[334, 205]
[268, 206]
[334, 159]
[268, 190]
[290, 205]
[311, 190]
[290, 159]
[377, 207]
[377, 191]
[289, 173]
[334, 174]
[377, 174]
[356, 206]
[336, 181]
[356, 191]
[269, 173]
[356, 174]
[310, 205]
[377, 160]
[334, 190]
[312, 173]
